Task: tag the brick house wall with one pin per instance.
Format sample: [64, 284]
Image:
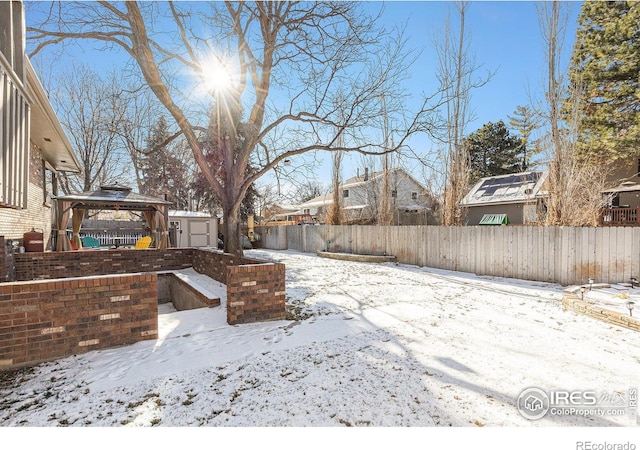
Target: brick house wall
[45, 320]
[15, 222]
[4, 274]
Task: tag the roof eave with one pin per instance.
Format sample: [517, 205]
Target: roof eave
[46, 130]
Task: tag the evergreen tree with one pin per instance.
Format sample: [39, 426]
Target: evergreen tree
[164, 173]
[525, 120]
[222, 125]
[493, 151]
[605, 72]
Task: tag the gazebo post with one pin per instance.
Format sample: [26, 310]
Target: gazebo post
[165, 230]
[63, 212]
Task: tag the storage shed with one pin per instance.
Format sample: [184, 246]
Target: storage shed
[520, 197]
[193, 229]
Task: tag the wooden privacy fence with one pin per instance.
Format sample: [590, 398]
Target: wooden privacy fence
[564, 255]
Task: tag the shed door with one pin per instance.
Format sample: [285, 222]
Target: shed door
[199, 235]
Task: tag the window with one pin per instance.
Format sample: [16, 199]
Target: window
[639, 167]
[345, 193]
[49, 184]
[414, 196]
[394, 193]
[306, 211]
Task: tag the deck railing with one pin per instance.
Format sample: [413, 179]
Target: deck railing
[114, 239]
[620, 217]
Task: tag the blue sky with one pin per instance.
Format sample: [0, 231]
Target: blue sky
[505, 39]
[504, 36]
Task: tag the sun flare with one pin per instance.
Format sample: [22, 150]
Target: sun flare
[216, 75]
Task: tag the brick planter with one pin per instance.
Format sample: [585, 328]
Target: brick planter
[70, 302]
[255, 290]
[255, 293]
[44, 320]
[50, 265]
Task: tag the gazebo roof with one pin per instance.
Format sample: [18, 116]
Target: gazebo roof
[113, 197]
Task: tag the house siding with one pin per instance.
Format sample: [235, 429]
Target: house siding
[364, 198]
[629, 199]
[515, 213]
[628, 171]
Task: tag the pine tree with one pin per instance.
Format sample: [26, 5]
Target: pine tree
[212, 141]
[525, 121]
[164, 173]
[605, 72]
[493, 151]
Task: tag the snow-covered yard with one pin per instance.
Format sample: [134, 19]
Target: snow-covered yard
[375, 345]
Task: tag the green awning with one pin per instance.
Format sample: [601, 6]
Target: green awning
[494, 219]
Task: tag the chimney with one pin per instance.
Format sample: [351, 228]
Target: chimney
[366, 174]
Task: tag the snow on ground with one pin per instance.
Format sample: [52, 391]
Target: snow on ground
[614, 297]
[375, 345]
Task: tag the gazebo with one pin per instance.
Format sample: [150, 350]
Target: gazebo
[119, 198]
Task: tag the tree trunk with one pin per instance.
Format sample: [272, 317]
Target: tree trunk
[232, 230]
[334, 215]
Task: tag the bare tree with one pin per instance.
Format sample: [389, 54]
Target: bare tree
[335, 209]
[266, 199]
[574, 182]
[334, 214]
[88, 111]
[307, 190]
[385, 212]
[139, 112]
[302, 51]
[455, 71]
[552, 26]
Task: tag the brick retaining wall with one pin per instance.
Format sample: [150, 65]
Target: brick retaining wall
[255, 292]
[7, 267]
[49, 319]
[50, 265]
[263, 300]
[214, 264]
[56, 308]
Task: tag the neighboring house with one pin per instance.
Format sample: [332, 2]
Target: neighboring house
[33, 146]
[278, 213]
[623, 196]
[521, 196]
[361, 197]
